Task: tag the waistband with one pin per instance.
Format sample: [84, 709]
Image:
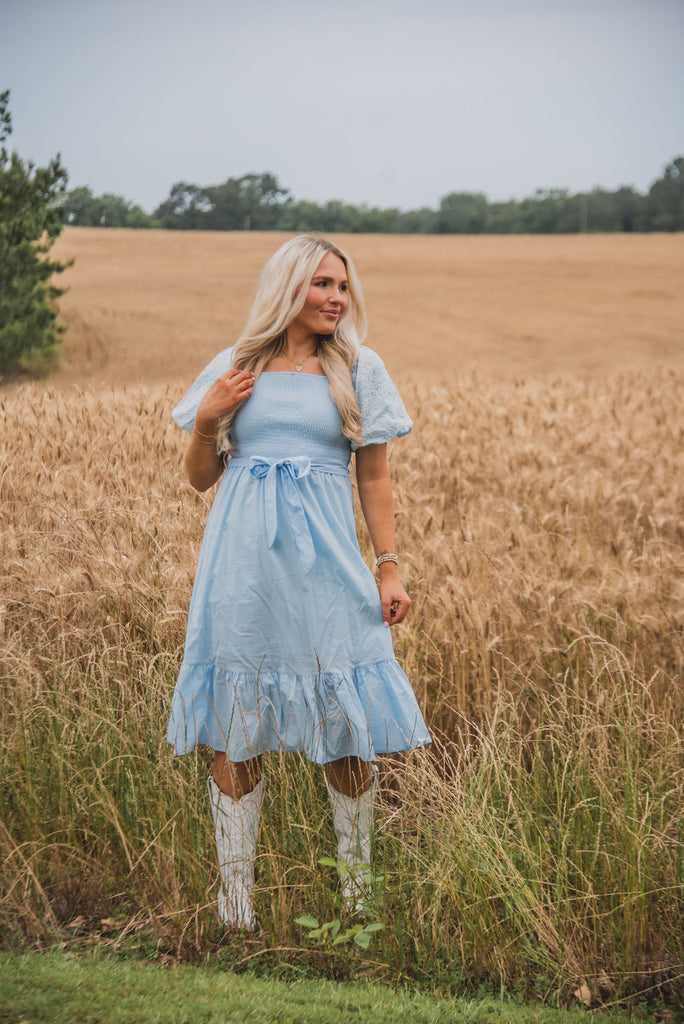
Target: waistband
[296, 466]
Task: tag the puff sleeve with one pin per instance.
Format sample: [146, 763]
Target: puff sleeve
[383, 414]
[186, 410]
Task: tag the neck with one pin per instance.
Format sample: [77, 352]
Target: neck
[300, 352]
[300, 344]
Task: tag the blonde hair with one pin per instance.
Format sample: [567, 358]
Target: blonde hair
[280, 297]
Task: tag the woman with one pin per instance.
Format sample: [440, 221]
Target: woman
[288, 646]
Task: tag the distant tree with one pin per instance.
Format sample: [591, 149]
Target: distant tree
[417, 222]
[83, 209]
[565, 214]
[301, 216]
[605, 211]
[30, 221]
[630, 209]
[504, 218]
[378, 220]
[254, 202]
[462, 213]
[542, 213]
[342, 217]
[137, 218]
[185, 209]
[666, 199]
[77, 207]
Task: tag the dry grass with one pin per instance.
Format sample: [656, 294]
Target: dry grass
[150, 306]
[539, 845]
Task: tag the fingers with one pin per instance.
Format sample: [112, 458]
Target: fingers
[245, 387]
[237, 385]
[395, 607]
[239, 380]
[234, 374]
[399, 611]
[227, 392]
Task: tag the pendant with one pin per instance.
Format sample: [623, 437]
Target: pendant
[298, 367]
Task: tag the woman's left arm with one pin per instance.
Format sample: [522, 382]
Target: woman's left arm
[375, 494]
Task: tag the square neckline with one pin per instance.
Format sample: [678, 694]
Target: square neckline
[291, 373]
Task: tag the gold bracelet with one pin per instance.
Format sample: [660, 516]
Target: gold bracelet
[203, 438]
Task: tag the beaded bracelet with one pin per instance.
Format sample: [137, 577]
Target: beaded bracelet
[381, 559]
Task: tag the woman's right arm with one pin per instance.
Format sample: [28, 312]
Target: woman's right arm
[203, 463]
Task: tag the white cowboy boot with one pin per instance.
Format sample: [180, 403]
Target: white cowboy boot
[353, 820]
[236, 827]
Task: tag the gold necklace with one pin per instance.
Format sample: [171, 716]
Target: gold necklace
[298, 366]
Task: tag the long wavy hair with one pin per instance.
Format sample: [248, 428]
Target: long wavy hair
[280, 297]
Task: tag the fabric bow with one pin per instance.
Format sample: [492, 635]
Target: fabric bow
[279, 477]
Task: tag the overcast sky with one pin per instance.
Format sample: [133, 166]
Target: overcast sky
[385, 102]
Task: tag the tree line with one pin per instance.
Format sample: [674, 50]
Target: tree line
[257, 202]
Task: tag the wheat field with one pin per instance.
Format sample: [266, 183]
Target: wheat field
[540, 520]
[151, 306]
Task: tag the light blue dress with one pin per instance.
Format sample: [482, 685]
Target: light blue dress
[285, 646]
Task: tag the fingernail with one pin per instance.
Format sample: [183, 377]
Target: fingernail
[386, 624]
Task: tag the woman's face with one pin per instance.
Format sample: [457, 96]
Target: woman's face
[327, 299]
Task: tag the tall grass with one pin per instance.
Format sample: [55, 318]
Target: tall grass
[537, 845]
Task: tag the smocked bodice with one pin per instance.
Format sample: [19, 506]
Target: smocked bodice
[290, 414]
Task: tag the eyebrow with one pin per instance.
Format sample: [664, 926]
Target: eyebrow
[327, 277]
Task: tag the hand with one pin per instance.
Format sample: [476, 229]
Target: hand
[227, 392]
[395, 601]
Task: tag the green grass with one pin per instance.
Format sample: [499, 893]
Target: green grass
[63, 989]
[529, 863]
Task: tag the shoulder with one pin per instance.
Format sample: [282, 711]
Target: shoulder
[221, 362]
[368, 365]
[368, 360]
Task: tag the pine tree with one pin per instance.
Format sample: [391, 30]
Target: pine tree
[30, 221]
